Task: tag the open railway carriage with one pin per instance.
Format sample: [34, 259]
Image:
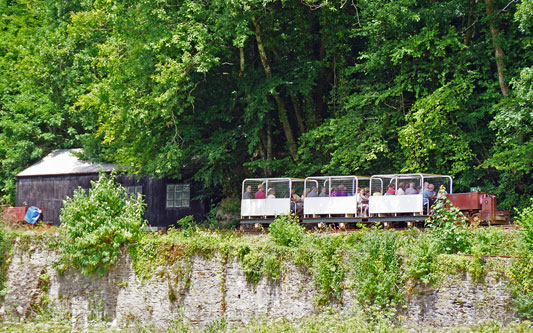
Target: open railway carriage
[337, 196]
[265, 210]
[381, 202]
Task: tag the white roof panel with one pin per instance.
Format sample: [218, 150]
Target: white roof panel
[64, 162]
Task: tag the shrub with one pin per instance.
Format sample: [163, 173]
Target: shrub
[6, 241]
[286, 231]
[448, 227]
[420, 260]
[377, 272]
[525, 220]
[522, 270]
[95, 225]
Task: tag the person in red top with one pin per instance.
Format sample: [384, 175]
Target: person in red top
[391, 190]
[260, 194]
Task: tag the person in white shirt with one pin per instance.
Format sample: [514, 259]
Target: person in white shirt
[401, 189]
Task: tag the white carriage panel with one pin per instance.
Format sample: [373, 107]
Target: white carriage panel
[330, 205]
[260, 207]
[395, 204]
[278, 206]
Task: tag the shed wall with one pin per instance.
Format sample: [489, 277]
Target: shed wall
[49, 192]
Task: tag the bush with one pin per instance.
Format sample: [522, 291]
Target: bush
[5, 246]
[522, 270]
[448, 227]
[97, 224]
[286, 231]
[377, 272]
[525, 220]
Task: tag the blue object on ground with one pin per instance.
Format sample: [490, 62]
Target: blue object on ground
[32, 215]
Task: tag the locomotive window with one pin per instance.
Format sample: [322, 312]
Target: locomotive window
[178, 195]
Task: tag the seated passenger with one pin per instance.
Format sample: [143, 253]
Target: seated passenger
[271, 193]
[401, 188]
[313, 193]
[299, 204]
[390, 190]
[411, 189]
[306, 193]
[365, 196]
[260, 194]
[296, 202]
[358, 197]
[248, 194]
[342, 191]
[333, 192]
[429, 195]
[324, 192]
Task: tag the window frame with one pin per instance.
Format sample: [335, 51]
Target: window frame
[136, 189]
[180, 193]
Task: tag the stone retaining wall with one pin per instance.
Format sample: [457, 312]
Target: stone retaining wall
[215, 289]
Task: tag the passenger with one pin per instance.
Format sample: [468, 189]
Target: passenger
[431, 188]
[390, 190]
[248, 194]
[418, 189]
[401, 189]
[411, 189]
[271, 193]
[260, 194]
[313, 193]
[296, 203]
[324, 192]
[358, 197]
[342, 191]
[426, 185]
[306, 192]
[429, 195]
[365, 196]
[333, 192]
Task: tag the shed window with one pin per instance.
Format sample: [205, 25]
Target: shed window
[133, 190]
[178, 195]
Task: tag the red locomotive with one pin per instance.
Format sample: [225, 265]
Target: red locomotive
[479, 207]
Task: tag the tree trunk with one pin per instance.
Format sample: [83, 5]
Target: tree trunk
[269, 150]
[241, 61]
[263, 156]
[498, 51]
[298, 113]
[282, 110]
[469, 28]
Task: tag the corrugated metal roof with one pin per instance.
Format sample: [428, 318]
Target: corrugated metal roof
[64, 162]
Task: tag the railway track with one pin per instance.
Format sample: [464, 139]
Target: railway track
[351, 224]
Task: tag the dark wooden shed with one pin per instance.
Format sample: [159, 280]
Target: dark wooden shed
[49, 182]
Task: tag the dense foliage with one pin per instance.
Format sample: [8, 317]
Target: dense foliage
[272, 87]
[96, 225]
